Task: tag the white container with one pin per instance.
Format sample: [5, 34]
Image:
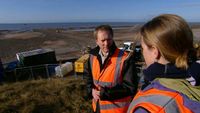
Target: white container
[63, 69]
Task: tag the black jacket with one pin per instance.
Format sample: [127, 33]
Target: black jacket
[169, 70]
[130, 78]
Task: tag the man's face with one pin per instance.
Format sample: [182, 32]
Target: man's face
[104, 41]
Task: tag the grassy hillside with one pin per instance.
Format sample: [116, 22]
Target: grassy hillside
[63, 95]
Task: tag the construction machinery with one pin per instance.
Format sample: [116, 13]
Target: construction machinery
[79, 64]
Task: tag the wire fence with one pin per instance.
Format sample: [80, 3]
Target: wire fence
[30, 72]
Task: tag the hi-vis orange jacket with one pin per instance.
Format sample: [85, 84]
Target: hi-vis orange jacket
[159, 99]
[109, 77]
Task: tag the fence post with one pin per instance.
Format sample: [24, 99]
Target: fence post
[47, 70]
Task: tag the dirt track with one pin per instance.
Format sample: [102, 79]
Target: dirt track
[66, 43]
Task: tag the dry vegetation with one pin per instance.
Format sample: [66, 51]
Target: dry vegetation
[63, 95]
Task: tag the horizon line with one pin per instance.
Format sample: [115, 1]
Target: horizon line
[82, 22]
[74, 22]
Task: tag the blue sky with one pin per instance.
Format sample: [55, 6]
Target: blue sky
[39, 11]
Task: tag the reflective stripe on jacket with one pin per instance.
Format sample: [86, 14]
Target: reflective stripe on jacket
[110, 76]
[157, 100]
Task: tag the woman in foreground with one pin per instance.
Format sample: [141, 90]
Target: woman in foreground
[172, 76]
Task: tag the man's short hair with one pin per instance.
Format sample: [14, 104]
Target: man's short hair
[106, 28]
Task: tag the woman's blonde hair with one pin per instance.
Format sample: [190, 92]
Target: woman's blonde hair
[172, 36]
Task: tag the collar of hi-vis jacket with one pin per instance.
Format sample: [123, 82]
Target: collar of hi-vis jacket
[112, 71]
[157, 70]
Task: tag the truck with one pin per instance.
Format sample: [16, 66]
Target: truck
[127, 46]
[133, 47]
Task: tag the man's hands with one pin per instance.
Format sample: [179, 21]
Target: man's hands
[96, 93]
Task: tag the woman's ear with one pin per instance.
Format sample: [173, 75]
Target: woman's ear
[156, 53]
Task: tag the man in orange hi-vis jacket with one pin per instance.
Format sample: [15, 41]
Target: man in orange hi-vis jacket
[111, 74]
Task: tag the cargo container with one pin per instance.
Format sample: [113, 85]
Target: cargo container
[79, 64]
[36, 57]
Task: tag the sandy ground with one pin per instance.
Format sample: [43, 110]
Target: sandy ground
[66, 43]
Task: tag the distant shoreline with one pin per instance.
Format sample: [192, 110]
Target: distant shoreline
[63, 29]
[73, 25]
[31, 26]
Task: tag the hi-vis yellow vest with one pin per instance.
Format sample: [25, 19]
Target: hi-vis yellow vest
[109, 77]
